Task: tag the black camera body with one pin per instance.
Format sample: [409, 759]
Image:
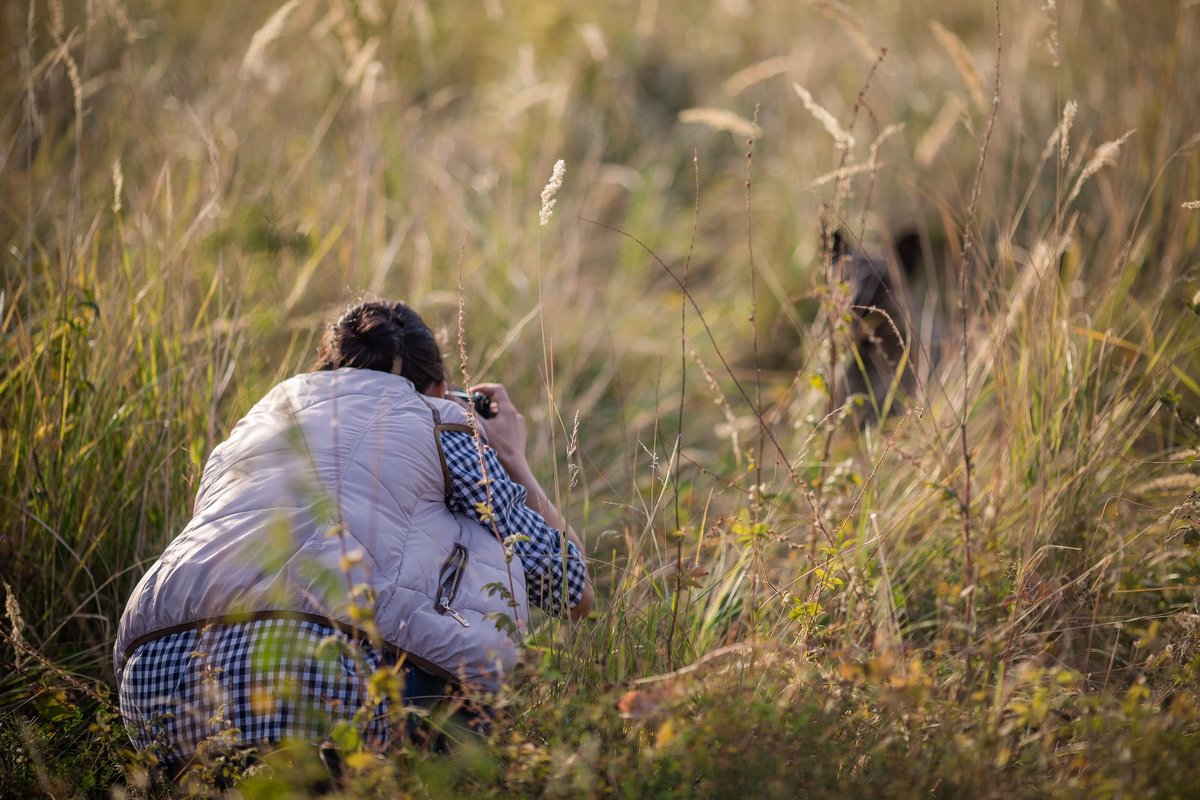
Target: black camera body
[483, 404]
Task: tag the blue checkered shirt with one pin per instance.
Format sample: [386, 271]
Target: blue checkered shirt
[266, 681]
[483, 490]
[249, 684]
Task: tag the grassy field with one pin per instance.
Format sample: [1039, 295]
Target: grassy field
[991, 594]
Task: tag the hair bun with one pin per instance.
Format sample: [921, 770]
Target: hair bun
[386, 336]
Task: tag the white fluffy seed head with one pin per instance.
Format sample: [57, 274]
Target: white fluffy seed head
[555, 183]
[828, 121]
[118, 179]
[1106, 155]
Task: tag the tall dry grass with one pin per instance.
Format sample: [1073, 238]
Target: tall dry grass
[189, 189]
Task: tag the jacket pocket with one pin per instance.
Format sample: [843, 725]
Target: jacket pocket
[449, 579]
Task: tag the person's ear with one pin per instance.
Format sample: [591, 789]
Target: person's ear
[438, 389]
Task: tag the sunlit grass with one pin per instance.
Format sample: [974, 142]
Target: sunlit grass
[190, 190]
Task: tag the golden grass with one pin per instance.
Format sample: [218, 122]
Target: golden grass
[961, 56]
[188, 191]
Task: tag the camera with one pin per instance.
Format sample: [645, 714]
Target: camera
[483, 404]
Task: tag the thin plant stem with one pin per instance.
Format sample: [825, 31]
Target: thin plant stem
[678, 532]
[965, 350]
[756, 493]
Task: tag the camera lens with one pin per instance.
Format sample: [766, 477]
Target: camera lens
[483, 404]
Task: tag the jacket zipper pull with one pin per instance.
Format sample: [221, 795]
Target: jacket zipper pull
[444, 607]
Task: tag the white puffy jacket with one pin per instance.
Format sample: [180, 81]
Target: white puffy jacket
[332, 483]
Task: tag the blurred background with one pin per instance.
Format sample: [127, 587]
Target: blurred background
[188, 191]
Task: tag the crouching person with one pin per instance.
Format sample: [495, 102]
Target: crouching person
[361, 544]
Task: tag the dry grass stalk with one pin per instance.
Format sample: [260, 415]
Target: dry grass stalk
[884, 135]
[555, 183]
[1183, 481]
[939, 131]
[721, 120]
[841, 174]
[1050, 7]
[743, 79]
[1037, 267]
[57, 23]
[829, 122]
[594, 40]
[851, 23]
[1068, 118]
[118, 178]
[342, 20]
[120, 16]
[254, 62]
[731, 425]
[1106, 155]
[13, 610]
[1061, 135]
[872, 164]
[361, 61]
[961, 57]
[1024, 324]
[969, 574]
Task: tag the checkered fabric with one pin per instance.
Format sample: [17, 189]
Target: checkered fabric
[247, 684]
[549, 574]
[268, 681]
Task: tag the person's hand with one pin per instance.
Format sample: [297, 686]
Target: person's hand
[506, 433]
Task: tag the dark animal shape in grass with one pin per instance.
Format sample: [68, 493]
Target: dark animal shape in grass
[894, 332]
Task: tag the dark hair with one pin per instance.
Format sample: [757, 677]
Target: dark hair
[382, 335]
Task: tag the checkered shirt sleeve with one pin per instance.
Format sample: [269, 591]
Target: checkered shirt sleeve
[550, 575]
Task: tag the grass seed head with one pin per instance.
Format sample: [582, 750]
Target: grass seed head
[548, 193]
[828, 121]
[961, 57]
[721, 120]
